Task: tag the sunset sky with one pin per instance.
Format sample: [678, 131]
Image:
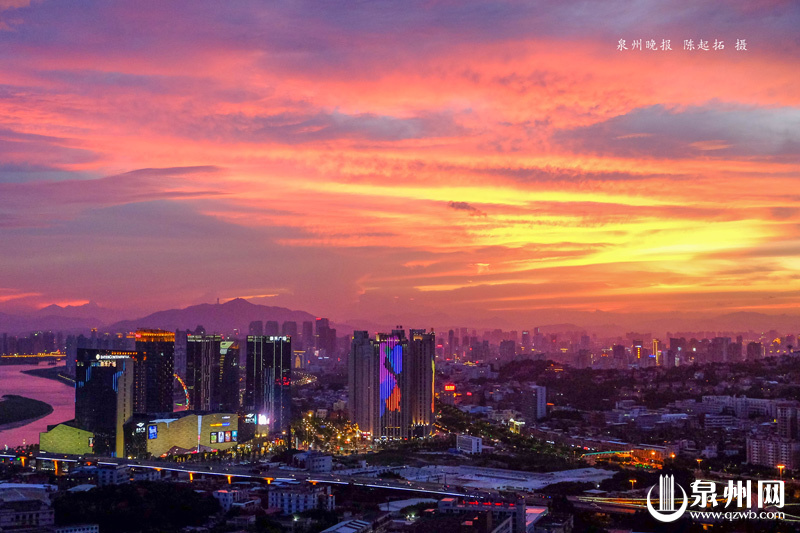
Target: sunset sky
[357, 159]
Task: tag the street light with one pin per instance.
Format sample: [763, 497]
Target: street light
[633, 482]
[780, 469]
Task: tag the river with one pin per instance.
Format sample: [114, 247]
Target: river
[60, 396]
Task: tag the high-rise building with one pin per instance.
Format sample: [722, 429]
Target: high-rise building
[268, 381]
[289, 329]
[256, 327]
[153, 371]
[754, 351]
[507, 351]
[226, 393]
[181, 337]
[718, 350]
[637, 351]
[391, 381]
[619, 355]
[202, 359]
[308, 334]
[786, 415]
[104, 383]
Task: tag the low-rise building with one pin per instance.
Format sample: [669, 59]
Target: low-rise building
[500, 509]
[227, 498]
[314, 461]
[113, 475]
[350, 526]
[296, 498]
[469, 444]
[146, 474]
[79, 528]
[23, 509]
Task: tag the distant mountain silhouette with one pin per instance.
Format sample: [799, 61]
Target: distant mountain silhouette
[89, 310]
[17, 325]
[219, 318]
[238, 313]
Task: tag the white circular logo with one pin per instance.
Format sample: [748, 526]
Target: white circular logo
[667, 511]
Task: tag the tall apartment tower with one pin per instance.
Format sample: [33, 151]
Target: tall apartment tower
[289, 329]
[104, 383]
[256, 327]
[153, 371]
[325, 337]
[271, 328]
[268, 380]
[308, 335]
[391, 383]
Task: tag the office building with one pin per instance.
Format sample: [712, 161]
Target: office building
[153, 371]
[212, 373]
[268, 380]
[391, 383]
[104, 385]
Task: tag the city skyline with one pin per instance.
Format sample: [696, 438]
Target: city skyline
[478, 160]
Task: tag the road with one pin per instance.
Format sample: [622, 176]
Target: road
[245, 472]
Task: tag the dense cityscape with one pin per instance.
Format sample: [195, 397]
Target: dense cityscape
[296, 427]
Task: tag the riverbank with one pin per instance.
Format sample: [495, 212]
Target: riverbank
[60, 397]
[56, 373]
[14, 409]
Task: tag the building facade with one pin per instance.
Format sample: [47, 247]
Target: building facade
[391, 380]
[212, 373]
[104, 384]
[773, 451]
[181, 432]
[154, 371]
[298, 498]
[268, 381]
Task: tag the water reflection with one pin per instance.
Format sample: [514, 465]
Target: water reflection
[59, 395]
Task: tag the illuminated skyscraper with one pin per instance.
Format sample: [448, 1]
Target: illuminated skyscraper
[391, 383]
[212, 373]
[268, 380]
[104, 382]
[201, 351]
[153, 371]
